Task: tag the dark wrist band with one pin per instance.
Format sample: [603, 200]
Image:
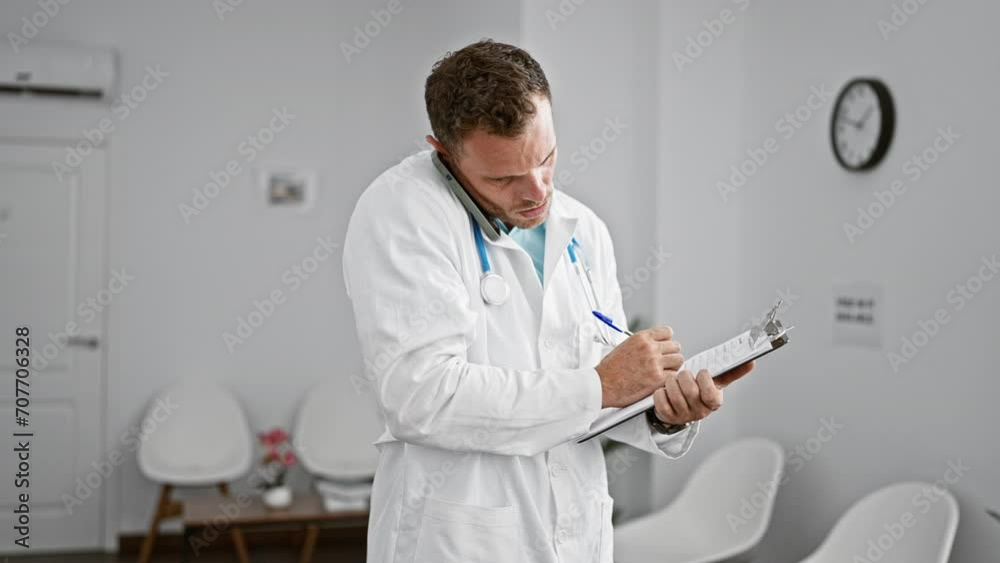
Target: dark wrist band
[663, 427]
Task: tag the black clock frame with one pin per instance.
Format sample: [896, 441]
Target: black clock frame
[888, 110]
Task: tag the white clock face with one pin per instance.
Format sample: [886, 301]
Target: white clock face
[858, 125]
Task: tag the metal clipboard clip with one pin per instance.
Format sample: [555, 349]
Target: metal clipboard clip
[770, 326]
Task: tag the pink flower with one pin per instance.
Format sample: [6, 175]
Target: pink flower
[274, 437]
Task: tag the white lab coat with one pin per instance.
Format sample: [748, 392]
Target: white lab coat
[482, 402]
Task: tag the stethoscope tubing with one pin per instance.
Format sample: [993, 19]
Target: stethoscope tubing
[495, 290]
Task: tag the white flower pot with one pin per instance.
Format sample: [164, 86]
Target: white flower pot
[277, 498]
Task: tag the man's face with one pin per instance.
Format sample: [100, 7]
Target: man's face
[511, 179]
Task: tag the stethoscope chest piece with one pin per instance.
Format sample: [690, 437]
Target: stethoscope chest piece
[494, 288]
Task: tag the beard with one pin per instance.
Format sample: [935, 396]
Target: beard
[514, 218]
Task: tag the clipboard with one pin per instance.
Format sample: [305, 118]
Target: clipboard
[760, 340]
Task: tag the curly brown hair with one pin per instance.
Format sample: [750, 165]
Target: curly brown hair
[486, 85]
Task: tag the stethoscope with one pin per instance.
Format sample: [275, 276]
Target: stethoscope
[495, 290]
[492, 286]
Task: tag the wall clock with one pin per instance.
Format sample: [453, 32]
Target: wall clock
[864, 119]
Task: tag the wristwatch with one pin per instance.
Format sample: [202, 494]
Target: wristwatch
[663, 427]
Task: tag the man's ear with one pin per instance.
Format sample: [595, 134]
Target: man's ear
[438, 146]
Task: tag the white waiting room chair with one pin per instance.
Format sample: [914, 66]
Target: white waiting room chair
[721, 514]
[333, 435]
[203, 441]
[877, 528]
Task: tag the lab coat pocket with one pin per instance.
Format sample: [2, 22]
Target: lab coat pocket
[463, 533]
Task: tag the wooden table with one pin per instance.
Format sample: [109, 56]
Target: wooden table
[214, 515]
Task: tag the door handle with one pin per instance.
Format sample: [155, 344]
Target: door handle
[91, 342]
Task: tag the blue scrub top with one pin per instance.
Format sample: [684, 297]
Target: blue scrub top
[533, 242]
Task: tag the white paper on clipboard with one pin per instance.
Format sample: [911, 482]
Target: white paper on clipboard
[750, 345]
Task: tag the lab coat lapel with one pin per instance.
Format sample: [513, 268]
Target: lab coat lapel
[559, 229]
[503, 242]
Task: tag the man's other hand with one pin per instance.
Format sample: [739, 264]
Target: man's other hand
[684, 398]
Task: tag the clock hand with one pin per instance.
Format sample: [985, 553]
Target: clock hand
[865, 117]
[854, 124]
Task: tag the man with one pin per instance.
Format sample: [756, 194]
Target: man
[478, 337]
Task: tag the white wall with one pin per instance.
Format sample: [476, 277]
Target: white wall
[699, 115]
[193, 280]
[788, 228]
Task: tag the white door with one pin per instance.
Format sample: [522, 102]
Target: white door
[53, 275]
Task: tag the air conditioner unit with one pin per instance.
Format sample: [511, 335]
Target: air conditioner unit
[59, 70]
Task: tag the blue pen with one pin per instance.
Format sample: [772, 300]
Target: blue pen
[607, 320]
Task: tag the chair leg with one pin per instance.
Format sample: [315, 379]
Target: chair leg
[162, 508]
[239, 542]
[310, 544]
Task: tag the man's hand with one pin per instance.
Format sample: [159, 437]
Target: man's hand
[684, 398]
[639, 366]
